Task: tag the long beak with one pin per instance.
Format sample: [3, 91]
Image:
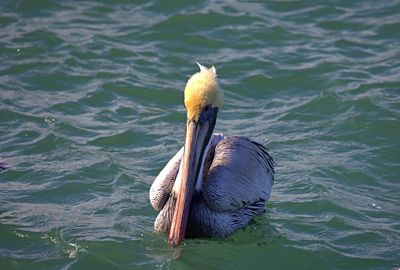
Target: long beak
[197, 137]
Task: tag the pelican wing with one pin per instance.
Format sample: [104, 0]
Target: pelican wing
[162, 185]
[241, 174]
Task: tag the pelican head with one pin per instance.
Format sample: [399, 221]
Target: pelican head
[202, 90]
[203, 98]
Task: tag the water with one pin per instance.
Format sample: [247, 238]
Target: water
[91, 109]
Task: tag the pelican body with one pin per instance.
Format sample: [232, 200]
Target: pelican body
[214, 185]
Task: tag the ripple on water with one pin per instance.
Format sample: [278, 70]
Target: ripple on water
[91, 109]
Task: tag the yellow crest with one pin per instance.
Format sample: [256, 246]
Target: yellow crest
[202, 89]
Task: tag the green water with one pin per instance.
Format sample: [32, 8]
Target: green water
[91, 109]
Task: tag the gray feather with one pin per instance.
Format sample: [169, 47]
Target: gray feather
[164, 218]
[161, 188]
[204, 222]
[241, 174]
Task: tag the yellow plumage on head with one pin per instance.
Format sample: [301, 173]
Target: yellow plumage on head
[202, 89]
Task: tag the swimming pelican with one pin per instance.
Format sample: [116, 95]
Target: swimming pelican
[3, 165]
[214, 185]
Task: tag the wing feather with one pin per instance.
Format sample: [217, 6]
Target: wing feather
[162, 185]
[241, 174]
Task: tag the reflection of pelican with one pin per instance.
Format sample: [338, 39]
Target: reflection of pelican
[213, 185]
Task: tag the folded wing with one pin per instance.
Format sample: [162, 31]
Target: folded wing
[241, 174]
[162, 185]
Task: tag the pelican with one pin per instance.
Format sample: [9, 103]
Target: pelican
[3, 165]
[214, 185]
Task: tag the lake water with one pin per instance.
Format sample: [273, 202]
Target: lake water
[91, 108]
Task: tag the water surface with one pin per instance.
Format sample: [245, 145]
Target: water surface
[91, 109]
